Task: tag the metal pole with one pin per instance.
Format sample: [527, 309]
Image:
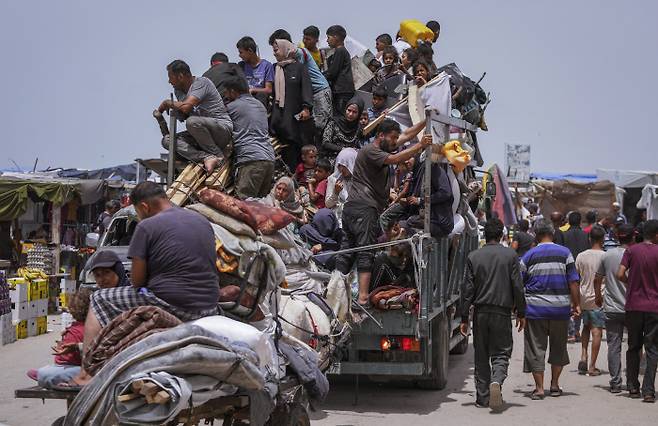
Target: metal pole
[171, 158]
[427, 179]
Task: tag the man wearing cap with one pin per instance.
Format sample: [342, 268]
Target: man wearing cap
[107, 269]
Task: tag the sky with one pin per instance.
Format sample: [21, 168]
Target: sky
[576, 80]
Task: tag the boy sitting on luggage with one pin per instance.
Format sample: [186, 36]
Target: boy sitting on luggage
[317, 187]
[66, 351]
[306, 169]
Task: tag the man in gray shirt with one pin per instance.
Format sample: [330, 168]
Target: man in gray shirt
[614, 302]
[253, 152]
[209, 127]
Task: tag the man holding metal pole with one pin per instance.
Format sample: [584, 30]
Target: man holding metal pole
[369, 193]
[199, 105]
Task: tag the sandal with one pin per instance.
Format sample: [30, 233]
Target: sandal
[556, 392]
[582, 367]
[32, 374]
[536, 396]
[594, 373]
[70, 386]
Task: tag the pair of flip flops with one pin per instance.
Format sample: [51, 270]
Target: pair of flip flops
[554, 392]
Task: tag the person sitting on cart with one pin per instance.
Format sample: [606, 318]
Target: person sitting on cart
[173, 267]
[209, 126]
[108, 270]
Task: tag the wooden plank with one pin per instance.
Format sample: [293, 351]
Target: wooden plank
[128, 397]
[41, 393]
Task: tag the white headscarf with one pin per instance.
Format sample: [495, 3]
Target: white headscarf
[346, 157]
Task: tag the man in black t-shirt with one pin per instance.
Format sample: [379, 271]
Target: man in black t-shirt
[369, 193]
[173, 267]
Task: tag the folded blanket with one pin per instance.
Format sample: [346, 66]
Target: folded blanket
[123, 331]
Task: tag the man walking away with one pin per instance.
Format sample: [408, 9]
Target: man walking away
[254, 155]
[523, 240]
[587, 265]
[613, 303]
[209, 127]
[641, 263]
[494, 287]
[551, 291]
[577, 241]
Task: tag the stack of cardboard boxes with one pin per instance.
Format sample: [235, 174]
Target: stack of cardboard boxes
[7, 329]
[29, 299]
[66, 290]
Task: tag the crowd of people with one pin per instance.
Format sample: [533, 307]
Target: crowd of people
[565, 283]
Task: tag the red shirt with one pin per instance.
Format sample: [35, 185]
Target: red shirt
[303, 174]
[641, 260]
[321, 190]
[73, 334]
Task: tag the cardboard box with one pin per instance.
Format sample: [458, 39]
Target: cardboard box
[20, 311]
[42, 307]
[18, 294]
[42, 325]
[31, 327]
[8, 336]
[21, 329]
[32, 311]
[64, 299]
[43, 289]
[67, 286]
[34, 289]
[13, 282]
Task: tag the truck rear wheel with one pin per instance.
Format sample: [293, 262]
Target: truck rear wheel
[440, 344]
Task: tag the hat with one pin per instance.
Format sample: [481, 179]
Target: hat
[103, 259]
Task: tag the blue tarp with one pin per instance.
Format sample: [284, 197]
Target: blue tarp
[569, 176]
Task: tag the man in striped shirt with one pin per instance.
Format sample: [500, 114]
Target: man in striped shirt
[552, 295]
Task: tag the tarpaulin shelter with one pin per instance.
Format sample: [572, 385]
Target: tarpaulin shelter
[16, 190]
[127, 172]
[565, 195]
[633, 183]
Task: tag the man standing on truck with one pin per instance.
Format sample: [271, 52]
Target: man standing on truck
[494, 287]
[368, 196]
[552, 296]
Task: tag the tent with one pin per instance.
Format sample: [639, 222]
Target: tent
[565, 195]
[628, 178]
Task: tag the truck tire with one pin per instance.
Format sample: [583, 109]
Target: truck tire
[461, 347]
[294, 414]
[440, 332]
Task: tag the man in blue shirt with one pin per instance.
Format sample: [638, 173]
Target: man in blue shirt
[552, 295]
[322, 110]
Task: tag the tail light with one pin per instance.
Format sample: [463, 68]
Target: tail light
[403, 343]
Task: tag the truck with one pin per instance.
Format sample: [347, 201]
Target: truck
[415, 344]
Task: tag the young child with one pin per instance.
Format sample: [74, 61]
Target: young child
[339, 68]
[317, 187]
[306, 169]
[390, 68]
[379, 98]
[67, 350]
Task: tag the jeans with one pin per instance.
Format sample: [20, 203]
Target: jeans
[642, 331]
[52, 375]
[614, 332]
[203, 138]
[492, 341]
[321, 112]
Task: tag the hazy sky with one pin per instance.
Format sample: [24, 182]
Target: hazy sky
[575, 79]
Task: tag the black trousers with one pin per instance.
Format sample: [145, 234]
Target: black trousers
[492, 341]
[361, 228]
[642, 331]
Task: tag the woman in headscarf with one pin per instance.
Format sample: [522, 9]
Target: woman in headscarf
[284, 196]
[291, 119]
[343, 131]
[323, 234]
[339, 182]
[108, 270]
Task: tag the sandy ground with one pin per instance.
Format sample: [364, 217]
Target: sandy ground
[586, 400]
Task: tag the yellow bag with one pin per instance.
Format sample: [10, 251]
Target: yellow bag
[456, 155]
[413, 31]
